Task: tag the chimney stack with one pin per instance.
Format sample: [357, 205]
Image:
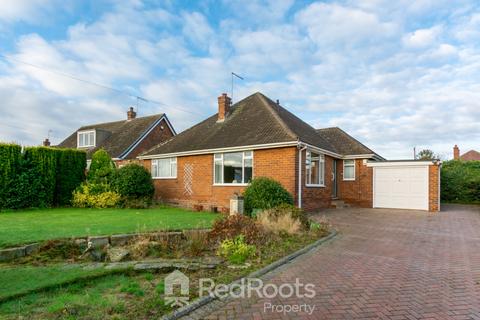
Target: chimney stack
[224, 102]
[131, 114]
[456, 153]
[46, 142]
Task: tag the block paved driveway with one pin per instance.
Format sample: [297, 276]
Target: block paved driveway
[384, 264]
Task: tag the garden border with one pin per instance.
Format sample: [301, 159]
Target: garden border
[186, 310]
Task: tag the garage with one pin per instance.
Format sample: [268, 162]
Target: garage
[405, 184]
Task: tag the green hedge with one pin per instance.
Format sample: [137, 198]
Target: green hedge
[460, 181]
[40, 176]
[10, 156]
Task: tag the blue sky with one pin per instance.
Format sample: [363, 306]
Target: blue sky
[395, 74]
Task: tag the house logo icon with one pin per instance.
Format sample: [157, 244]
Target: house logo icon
[177, 280]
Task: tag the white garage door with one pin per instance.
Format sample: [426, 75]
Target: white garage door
[400, 187]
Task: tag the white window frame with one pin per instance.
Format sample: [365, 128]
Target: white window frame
[79, 133]
[173, 172]
[321, 178]
[352, 164]
[218, 157]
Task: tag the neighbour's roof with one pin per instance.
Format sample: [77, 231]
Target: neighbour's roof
[254, 120]
[343, 142]
[118, 136]
[470, 155]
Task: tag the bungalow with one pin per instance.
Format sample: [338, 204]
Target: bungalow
[208, 163]
[124, 140]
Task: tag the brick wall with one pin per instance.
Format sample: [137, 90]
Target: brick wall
[315, 198]
[156, 136]
[278, 164]
[358, 192]
[433, 186]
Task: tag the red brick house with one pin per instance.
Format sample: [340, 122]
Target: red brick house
[206, 164]
[124, 140]
[471, 155]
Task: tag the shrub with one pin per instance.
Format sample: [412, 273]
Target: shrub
[45, 159]
[460, 181]
[91, 195]
[281, 224]
[321, 227]
[231, 226]
[134, 182]
[265, 193]
[236, 250]
[291, 211]
[196, 241]
[102, 168]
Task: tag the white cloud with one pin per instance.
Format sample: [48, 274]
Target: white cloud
[422, 38]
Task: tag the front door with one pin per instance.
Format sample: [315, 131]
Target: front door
[334, 179]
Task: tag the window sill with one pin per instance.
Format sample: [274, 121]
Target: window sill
[230, 184]
[349, 179]
[164, 178]
[315, 185]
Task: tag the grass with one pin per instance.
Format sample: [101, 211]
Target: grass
[27, 226]
[19, 280]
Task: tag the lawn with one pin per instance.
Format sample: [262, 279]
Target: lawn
[28, 226]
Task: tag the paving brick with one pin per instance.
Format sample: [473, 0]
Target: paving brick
[385, 264]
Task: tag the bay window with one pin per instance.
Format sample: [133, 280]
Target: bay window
[164, 168]
[348, 169]
[233, 167]
[315, 169]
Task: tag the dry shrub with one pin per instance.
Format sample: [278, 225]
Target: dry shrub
[196, 241]
[231, 226]
[141, 247]
[292, 211]
[321, 226]
[279, 224]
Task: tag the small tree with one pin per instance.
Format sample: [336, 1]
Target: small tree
[102, 168]
[426, 154]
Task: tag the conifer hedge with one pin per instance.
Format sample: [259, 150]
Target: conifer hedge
[40, 176]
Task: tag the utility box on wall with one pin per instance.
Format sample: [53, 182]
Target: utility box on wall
[236, 204]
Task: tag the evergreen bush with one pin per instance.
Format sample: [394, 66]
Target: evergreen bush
[265, 193]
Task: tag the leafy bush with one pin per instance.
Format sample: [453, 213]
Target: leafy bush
[134, 183]
[236, 250]
[231, 226]
[102, 168]
[265, 193]
[91, 195]
[45, 159]
[460, 181]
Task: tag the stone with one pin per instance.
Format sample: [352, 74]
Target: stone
[32, 248]
[98, 242]
[121, 239]
[117, 254]
[11, 254]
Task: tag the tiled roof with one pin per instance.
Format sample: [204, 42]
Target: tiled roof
[343, 142]
[254, 120]
[470, 155]
[116, 137]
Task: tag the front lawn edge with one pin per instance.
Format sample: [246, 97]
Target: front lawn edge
[183, 311]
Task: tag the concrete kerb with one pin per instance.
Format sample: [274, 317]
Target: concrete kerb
[184, 311]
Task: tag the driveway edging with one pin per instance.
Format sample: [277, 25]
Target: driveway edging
[256, 274]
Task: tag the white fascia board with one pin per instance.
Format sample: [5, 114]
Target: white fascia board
[218, 150]
[320, 150]
[359, 156]
[401, 163]
[140, 139]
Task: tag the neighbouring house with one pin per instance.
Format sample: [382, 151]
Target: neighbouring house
[204, 166]
[124, 140]
[471, 155]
